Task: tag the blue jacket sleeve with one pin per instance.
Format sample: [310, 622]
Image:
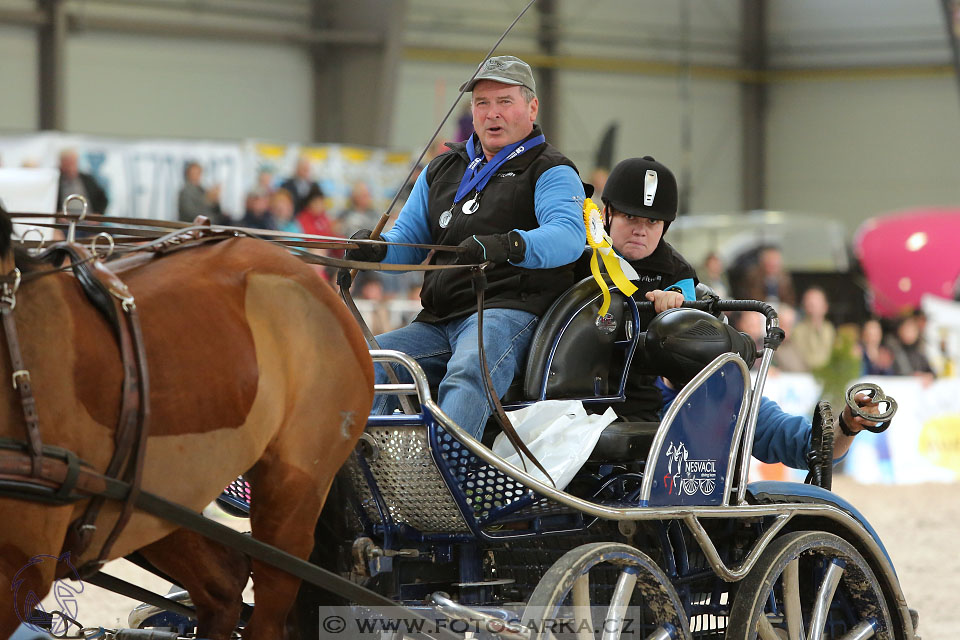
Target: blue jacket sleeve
[558, 203]
[412, 225]
[686, 287]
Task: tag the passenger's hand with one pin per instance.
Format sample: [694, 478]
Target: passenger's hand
[856, 423]
[497, 248]
[366, 252]
[663, 300]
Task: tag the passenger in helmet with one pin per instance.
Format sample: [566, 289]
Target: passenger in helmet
[639, 203]
[680, 342]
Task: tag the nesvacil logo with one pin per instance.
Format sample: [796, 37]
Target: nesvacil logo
[688, 475]
[27, 604]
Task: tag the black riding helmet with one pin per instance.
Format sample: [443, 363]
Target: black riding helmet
[680, 342]
[642, 187]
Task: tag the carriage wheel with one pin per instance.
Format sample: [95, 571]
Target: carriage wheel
[605, 587]
[810, 584]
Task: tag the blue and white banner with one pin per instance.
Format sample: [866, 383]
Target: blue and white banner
[142, 178]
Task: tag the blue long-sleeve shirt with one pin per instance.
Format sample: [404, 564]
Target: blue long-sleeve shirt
[780, 436]
[559, 239]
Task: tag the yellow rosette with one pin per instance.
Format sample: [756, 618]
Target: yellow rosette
[601, 244]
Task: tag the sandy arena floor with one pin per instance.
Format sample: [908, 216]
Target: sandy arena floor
[919, 525]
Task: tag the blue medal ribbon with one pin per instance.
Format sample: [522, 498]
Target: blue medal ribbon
[478, 179]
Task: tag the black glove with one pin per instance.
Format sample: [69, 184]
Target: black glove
[497, 248]
[366, 252]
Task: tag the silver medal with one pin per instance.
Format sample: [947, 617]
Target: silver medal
[471, 206]
[445, 218]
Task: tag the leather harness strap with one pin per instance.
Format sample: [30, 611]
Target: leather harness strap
[111, 296]
[21, 375]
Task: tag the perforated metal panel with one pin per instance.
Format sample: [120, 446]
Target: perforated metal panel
[408, 481]
[486, 488]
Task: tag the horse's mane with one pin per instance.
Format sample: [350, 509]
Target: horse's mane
[23, 260]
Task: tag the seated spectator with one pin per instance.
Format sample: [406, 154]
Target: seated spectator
[84, 184]
[814, 335]
[194, 200]
[281, 210]
[257, 211]
[313, 218]
[908, 350]
[714, 276]
[301, 184]
[265, 180]
[360, 212]
[768, 281]
[877, 358]
[787, 358]
[370, 286]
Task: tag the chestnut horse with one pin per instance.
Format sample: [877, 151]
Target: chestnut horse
[255, 367]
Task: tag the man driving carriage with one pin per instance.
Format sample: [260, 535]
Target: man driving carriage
[504, 196]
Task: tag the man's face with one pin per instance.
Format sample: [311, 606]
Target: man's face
[303, 169]
[635, 237]
[68, 165]
[500, 115]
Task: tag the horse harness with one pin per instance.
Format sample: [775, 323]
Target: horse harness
[31, 470]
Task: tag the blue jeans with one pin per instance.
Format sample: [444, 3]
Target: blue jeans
[449, 356]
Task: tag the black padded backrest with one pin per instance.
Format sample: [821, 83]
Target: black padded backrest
[581, 363]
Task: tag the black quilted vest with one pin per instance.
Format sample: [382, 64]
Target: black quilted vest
[506, 203]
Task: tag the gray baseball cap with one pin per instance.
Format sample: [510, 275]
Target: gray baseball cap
[505, 69]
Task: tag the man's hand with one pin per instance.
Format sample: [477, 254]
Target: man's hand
[856, 424]
[497, 248]
[366, 252]
[663, 300]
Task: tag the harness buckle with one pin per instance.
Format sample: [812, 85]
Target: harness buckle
[20, 373]
[8, 292]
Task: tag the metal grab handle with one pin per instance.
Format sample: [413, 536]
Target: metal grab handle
[877, 396]
[71, 232]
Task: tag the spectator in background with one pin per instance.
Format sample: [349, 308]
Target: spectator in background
[908, 350]
[265, 179]
[814, 335]
[877, 358]
[194, 200]
[84, 184]
[360, 212]
[301, 184]
[768, 281]
[256, 213]
[282, 212]
[313, 218]
[376, 313]
[787, 358]
[713, 275]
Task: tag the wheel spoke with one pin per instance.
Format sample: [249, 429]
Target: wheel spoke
[818, 619]
[662, 634]
[580, 597]
[864, 630]
[613, 622]
[791, 600]
[765, 629]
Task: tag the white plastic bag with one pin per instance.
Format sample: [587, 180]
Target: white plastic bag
[559, 433]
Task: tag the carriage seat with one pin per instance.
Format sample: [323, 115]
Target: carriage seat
[580, 367]
[625, 442]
